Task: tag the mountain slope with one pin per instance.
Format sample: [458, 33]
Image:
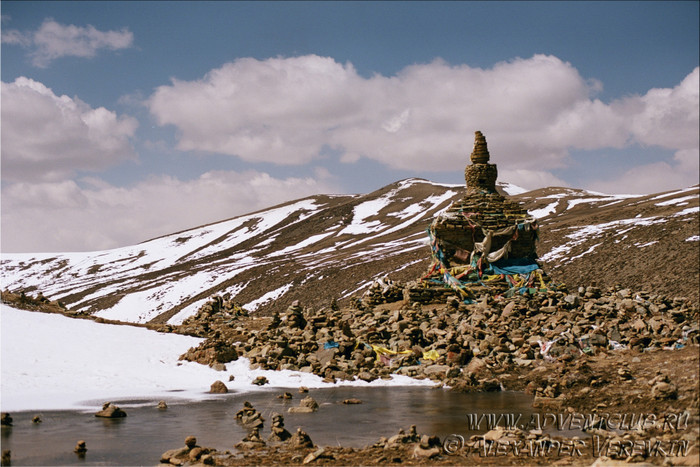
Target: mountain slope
[645, 242]
[326, 247]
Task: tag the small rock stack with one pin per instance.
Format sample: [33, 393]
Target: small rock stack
[279, 432]
[295, 315]
[383, 290]
[249, 417]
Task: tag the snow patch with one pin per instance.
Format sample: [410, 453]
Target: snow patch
[673, 193]
[583, 234]
[512, 189]
[53, 362]
[545, 211]
[679, 201]
[687, 211]
[268, 297]
[643, 245]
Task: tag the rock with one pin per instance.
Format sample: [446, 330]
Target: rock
[6, 458]
[190, 442]
[309, 402]
[664, 390]
[36, 419]
[5, 419]
[218, 387]
[366, 376]
[436, 370]
[195, 453]
[508, 309]
[352, 401]
[306, 405]
[218, 366]
[312, 456]
[429, 447]
[572, 300]
[175, 456]
[80, 447]
[475, 366]
[403, 438]
[162, 405]
[260, 381]
[110, 410]
[303, 389]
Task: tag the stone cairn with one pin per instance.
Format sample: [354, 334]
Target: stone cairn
[190, 454]
[483, 243]
[279, 432]
[249, 417]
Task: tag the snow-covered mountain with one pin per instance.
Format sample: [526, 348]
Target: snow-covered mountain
[324, 247]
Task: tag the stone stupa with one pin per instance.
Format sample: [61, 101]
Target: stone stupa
[484, 223]
[482, 243]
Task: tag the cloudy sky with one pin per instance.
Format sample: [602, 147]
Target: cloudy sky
[122, 121]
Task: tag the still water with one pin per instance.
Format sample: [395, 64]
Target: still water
[147, 432]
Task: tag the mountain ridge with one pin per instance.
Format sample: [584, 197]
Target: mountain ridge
[326, 247]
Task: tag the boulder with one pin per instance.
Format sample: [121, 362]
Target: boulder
[429, 447]
[309, 402]
[110, 410]
[218, 387]
[80, 447]
[260, 381]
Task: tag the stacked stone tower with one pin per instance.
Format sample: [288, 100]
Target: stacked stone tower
[482, 243]
[484, 214]
[480, 175]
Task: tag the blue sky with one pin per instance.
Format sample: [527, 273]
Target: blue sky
[126, 120]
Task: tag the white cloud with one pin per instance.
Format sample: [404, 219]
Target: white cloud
[63, 216]
[48, 137]
[54, 40]
[668, 117]
[683, 171]
[533, 111]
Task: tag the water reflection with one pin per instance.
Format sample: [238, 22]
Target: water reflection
[147, 432]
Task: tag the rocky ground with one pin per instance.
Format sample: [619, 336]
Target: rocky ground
[582, 353]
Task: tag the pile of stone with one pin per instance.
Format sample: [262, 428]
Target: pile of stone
[383, 290]
[249, 417]
[190, 453]
[456, 341]
[215, 352]
[218, 311]
[279, 433]
[251, 441]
